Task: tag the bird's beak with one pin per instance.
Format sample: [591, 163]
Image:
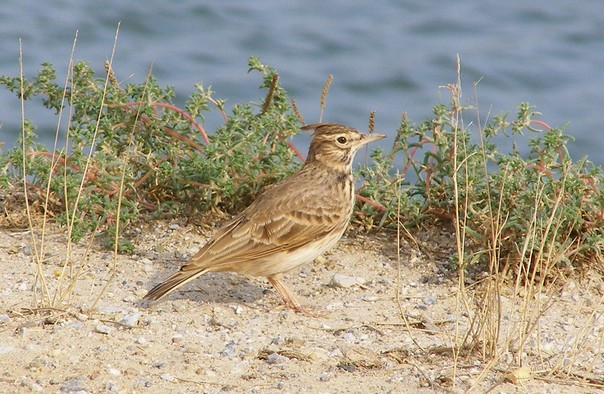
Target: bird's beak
[367, 138]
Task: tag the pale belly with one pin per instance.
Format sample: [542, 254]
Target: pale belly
[288, 260]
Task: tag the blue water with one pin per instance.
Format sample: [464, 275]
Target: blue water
[387, 56]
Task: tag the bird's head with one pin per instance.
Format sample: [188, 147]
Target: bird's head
[335, 145]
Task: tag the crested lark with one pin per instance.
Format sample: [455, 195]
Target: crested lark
[291, 223]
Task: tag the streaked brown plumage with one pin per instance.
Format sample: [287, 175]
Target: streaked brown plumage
[291, 223]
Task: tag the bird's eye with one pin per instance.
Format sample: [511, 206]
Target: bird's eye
[342, 140]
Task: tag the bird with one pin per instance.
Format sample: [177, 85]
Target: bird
[290, 223]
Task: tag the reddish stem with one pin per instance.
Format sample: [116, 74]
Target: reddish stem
[541, 123]
[296, 151]
[182, 112]
[374, 204]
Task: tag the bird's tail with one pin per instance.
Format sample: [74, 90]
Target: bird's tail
[176, 280]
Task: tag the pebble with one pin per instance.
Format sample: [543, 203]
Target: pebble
[147, 265]
[174, 226]
[103, 329]
[113, 371]
[131, 320]
[73, 385]
[140, 293]
[5, 319]
[349, 337]
[176, 338]
[22, 286]
[429, 300]
[141, 340]
[229, 350]
[345, 281]
[324, 377]
[81, 317]
[276, 358]
[167, 377]
[130, 298]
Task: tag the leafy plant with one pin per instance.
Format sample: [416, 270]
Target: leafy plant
[169, 162]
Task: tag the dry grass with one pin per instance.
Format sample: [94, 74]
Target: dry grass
[56, 291]
[508, 308]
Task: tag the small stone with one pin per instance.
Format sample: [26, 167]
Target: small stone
[113, 371]
[324, 377]
[81, 316]
[140, 293]
[347, 367]
[73, 385]
[147, 265]
[158, 364]
[349, 337]
[141, 340]
[276, 358]
[344, 281]
[238, 310]
[131, 320]
[167, 377]
[280, 385]
[229, 350]
[103, 329]
[429, 300]
[177, 338]
[5, 319]
[22, 286]
[174, 226]
[129, 298]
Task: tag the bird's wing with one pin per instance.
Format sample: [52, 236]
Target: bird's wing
[279, 221]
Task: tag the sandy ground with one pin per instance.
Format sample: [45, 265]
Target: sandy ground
[225, 332]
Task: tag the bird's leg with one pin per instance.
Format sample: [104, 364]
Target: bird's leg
[287, 296]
